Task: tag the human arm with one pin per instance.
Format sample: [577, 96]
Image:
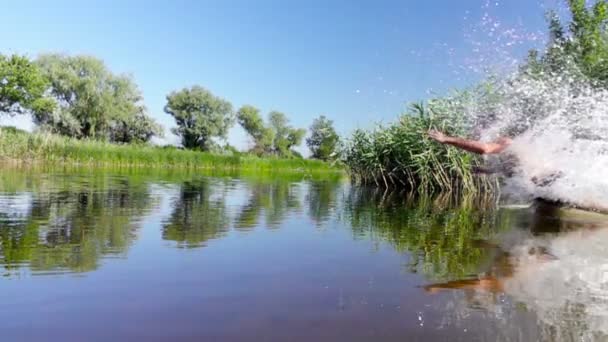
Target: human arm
[471, 145]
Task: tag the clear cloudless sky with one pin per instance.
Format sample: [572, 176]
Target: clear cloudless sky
[357, 62]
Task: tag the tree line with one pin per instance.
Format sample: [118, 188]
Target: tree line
[79, 97]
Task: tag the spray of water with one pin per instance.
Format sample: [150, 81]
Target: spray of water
[567, 293]
[559, 124]
[561, 120]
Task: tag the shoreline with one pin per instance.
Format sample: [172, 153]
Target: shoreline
[23, 148]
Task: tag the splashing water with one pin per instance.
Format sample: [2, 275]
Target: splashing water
[572, 286]
[561, 145]
[561, 120]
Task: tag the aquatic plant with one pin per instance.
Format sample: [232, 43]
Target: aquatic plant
[401, 155]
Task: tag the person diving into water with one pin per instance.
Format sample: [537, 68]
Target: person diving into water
[508, 161]
[551, 183]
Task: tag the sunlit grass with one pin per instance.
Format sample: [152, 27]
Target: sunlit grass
[22, 147]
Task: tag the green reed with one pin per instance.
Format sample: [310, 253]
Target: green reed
[401, 155]
[35, 148]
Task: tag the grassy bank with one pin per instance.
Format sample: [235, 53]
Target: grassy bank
[36, 148]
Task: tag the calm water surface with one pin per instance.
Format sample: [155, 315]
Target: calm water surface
[126, 256]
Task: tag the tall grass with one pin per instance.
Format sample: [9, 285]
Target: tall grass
[22, 147]
[401, 155]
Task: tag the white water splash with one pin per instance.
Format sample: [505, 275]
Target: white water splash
[561, 121]
[562, 136]
[570, 292]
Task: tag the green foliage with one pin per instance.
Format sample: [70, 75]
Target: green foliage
[401, 154]
[285, 136]
[323, 141]
[200, 116]
[50, 149]
[249, 118]
[93, 102]
[22, 87]
[138, 128]
[276, 138]
[582, 48]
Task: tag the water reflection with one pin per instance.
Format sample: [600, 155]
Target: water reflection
[272, 199]
[322, 197]
[557, 267]
[67, 221]
[69, 225]
[444, 237]
[542, 266]
[199, 213]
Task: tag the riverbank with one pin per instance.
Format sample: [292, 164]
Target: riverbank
[19, 147]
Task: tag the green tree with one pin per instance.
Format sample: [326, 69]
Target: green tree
[323, 141]
[583, 45]
[249, 118]
[138, 128]
[286, 137]
[277, 137]
[92, 101]
[22, 86]
[200, 116]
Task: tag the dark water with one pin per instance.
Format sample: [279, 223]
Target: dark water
[127, 256]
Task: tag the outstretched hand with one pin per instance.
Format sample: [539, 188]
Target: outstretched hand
[436, 135]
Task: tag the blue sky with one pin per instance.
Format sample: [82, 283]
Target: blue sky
[356, 62]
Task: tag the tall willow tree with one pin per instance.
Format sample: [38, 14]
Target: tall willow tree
[22, 87]
[286, 137]
[276, 137]
[93, 102]
[200, 116]
[249, 118]
[323, 141]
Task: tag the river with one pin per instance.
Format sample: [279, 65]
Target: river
[133, 255]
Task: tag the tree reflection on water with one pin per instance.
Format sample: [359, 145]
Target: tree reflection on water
[496, 261]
